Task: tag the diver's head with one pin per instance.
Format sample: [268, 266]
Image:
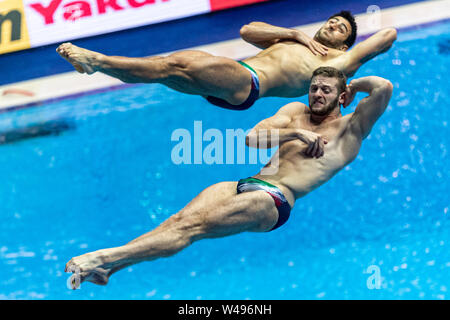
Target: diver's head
[339, 32]
[326, 91]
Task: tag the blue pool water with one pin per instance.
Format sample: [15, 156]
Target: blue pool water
[93, 172]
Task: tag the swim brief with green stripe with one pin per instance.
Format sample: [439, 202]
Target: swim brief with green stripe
[283, 207]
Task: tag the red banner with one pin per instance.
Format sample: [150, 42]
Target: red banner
[34, 23]
[225, 4]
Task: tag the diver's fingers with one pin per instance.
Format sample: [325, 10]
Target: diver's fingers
[320, 147]
[320, 48]
[316, 148]
[311, 47]
[316, 48]
[324, 48]
[313, 149]
[309, 149]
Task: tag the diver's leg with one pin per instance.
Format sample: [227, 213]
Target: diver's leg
[216, 212]
[189, 71]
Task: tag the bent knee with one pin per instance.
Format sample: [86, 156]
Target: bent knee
[184, 61]
[177, 62]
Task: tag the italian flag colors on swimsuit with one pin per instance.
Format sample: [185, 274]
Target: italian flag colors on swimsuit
[283, 207]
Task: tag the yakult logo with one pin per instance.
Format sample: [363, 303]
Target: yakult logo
[78, 9]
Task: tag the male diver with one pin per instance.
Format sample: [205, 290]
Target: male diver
[283, 69]
[314, 143]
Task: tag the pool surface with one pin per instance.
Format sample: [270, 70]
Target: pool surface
[96, 171]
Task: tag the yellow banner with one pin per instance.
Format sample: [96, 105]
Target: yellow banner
[13, 27]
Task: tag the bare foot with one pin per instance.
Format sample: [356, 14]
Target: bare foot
[88, 267]
[84, 61]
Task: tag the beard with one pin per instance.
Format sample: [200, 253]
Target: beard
[325, 110]
[324, 38]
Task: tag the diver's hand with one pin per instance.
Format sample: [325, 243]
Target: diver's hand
[315, 47]
[315, 143]
[350, 92]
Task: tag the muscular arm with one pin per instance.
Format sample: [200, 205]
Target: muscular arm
[370, 108]
[364, 51]
[263, 35]
[275, 130]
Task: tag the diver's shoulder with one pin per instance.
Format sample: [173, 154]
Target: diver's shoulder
[297, 105]
[294, 108]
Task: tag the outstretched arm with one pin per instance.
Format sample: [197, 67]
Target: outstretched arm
[364, 51]
[263, 35]
[276, 130]
[370, 108]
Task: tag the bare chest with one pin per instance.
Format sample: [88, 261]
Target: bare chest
[329, 131]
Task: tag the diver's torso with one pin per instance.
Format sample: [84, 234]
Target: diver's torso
[299, 174]
[285, 68]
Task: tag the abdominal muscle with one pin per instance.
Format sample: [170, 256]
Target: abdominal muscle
[285, 68]
[298, 174]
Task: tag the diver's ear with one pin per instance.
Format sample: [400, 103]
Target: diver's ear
[344, 47]
[342, 98]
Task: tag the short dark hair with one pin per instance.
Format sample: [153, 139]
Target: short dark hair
[347, 15]
[331, 72]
